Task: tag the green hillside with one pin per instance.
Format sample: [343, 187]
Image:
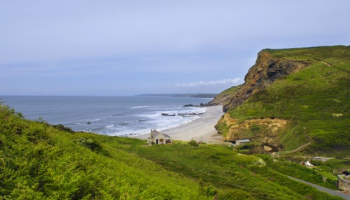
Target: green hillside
[41, 161]
[315, 102]
[225, 96]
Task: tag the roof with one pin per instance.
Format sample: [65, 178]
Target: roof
[155, 133]
[243, 140]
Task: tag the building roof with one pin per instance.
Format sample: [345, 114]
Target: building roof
[243, 140]
[155, 133]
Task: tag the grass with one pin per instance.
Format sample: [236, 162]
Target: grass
[227, 171]
[41, 161]
[286, 166]
[316, 100]
[226, 95]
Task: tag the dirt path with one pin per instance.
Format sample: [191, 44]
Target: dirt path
[323, 189]
[297, 149]
[324, 62]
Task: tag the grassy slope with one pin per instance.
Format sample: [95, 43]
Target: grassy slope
[39, 161]
[236, 176]
[225, 95]
[316, 100]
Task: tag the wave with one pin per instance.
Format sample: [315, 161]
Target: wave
[138, 107]
[94, 120]
[141, 121]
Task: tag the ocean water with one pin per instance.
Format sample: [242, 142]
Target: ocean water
[121, 116]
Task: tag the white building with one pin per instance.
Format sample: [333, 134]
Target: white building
[159, 138]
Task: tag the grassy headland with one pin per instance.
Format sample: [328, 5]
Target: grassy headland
[314, 101]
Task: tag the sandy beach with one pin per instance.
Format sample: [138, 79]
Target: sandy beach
[201, 129]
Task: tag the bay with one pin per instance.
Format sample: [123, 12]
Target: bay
[109, 115]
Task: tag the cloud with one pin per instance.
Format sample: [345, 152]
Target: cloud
[211, 83]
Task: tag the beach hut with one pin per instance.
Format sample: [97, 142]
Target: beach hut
[159, 138]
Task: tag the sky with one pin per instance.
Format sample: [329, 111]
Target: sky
[115, 47]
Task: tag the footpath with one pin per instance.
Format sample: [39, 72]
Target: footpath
[323, 189]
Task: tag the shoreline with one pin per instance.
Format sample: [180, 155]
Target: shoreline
[201, 129]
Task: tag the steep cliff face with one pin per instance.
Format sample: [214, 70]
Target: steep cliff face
[265, 71]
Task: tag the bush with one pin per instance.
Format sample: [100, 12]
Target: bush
[63, 128]
[210, 190]
[193, 143]
[87, 141]
[235, 194]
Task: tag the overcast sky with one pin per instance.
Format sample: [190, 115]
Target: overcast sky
[111, 47]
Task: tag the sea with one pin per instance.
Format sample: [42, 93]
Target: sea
[109, 115]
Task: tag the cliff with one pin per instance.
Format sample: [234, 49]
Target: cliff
[265, 71]
[293, 97]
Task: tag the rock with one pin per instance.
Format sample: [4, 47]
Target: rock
[200, 105]
[267, 148]
[188, 114]
[265, 71]
[166, 114]
[88, 122]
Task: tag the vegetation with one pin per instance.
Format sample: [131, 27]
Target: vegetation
[316, 175]
[234, 175]
[43, 161]
[225, 96]
[315, 100]
[40, 161]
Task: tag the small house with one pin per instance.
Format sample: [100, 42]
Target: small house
[159, 138]
[239, 142]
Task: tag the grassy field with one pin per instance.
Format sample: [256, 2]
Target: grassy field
[41, 161]
[316, 100]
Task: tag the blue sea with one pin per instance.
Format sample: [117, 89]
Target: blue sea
[117, 116]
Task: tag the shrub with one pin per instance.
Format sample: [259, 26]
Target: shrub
[87, 141]
[210, 190]
[235, 194]
[193, 143]
[63, 128]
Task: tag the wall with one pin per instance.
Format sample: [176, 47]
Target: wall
[343, 184]
[159, 137]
